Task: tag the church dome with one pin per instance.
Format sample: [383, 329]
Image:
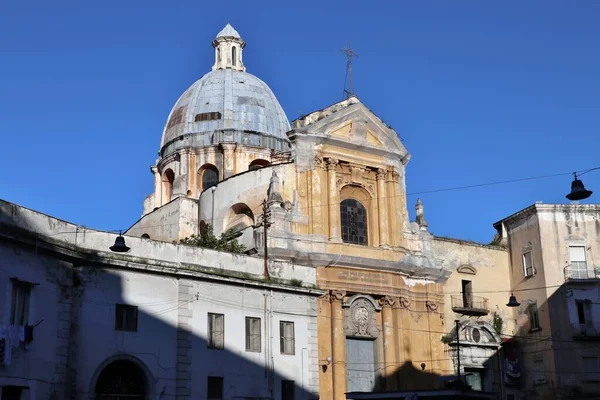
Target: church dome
[227, 105]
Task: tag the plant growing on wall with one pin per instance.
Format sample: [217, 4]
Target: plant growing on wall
[498, 323]
[207, 239]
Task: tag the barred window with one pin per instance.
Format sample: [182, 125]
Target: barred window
[354, 222]
[216, 331]
[287, 341]
[253, 339]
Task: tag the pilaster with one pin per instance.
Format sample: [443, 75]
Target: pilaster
[389, 341]
[339, 345]
[381, 208]
[333, 200]
[157, 187]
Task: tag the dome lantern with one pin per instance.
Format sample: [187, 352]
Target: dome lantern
[228, 50]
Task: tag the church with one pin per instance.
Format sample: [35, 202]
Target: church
[339, 295]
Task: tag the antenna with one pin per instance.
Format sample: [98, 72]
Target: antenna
[348, 82]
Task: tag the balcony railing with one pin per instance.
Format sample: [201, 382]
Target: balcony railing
[586, 332]
[580, 271]
[470, 305]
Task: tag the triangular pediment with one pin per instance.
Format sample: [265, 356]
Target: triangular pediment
[351, 122]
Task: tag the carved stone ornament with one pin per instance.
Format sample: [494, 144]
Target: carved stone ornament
[387, 301]
[360, 319]
[403, 302]
[319, 162]
[331, 163]
[337, 295]
[431, 306]
[381, 173]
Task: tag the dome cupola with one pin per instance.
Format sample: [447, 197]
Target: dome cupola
[226, 105]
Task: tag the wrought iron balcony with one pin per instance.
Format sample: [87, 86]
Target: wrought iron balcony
[580, 271]
[470, 305]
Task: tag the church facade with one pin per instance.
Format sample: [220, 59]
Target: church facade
[330, 187]
[339, 294]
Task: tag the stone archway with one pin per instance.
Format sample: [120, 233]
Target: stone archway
[122, 378]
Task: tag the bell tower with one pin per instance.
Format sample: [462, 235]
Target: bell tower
[228, 50]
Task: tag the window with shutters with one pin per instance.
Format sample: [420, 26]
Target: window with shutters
[287, 342]
[214, 388]
[534, 317]
[126, 317]
[253, 339]
[578, 262]
[528, 263]
[216, 331]
[287, 390]
[21, 295]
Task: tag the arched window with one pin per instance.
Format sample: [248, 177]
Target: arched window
[234, 56]
[209, 176]
[168, 178]
[218, 54]
[145, 236]
[240, 217]
[258, 163]
[354, 222]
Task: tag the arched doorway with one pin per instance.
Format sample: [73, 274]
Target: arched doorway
[121, 380]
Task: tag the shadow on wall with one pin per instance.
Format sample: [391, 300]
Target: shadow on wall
[560, 340]
[108, 333]
[409, 378]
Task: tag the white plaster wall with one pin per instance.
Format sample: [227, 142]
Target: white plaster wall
[38, 365]
[146, 254]
[244, 372]
[249, 188]
[155, 341]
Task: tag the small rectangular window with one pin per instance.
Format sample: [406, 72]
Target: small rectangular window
[581, 312]
[528, 263]
[11, 392]
[207, 116]
[253, 340]
[216, 331]
[539, 371]
[287, 390]
[577, 262]
[467, 292]
[534, 317]
[21, 295]
[287, 342]
[591, 369]
[126, 317]
[214, 388]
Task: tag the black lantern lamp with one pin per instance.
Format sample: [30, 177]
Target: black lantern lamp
[578, 191]
[119, 246]
[512, 301]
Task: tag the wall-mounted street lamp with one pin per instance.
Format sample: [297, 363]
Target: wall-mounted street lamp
[578, 191]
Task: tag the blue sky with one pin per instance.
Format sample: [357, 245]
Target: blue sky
[479, 91]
